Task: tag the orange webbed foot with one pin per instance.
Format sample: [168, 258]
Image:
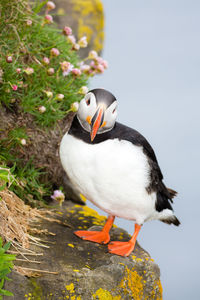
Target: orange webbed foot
[124, 248]
[121, 248]
[100, 237]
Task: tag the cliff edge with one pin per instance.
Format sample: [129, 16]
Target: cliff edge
[71, 268]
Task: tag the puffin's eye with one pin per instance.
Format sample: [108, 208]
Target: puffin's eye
[88, 101]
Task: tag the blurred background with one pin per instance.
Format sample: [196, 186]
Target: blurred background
[154, 71]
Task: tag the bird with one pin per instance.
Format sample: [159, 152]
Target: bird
[116, 169]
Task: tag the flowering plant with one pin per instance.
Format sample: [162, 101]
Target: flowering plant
[44, 61]
[42, 78]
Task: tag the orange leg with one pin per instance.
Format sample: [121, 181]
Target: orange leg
[101, 237]
[124, 248]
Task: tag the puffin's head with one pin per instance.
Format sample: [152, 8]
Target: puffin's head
[97, 112]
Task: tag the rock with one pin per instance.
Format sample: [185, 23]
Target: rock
[86, 270]
[85, 17]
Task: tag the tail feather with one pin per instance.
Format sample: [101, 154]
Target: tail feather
[172, 194]
[171, 220]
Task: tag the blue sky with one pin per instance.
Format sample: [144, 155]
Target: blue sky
[153, 50]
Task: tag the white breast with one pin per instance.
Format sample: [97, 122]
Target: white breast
[113, 175]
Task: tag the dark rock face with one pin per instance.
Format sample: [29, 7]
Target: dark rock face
[86, 270]
[42, 141]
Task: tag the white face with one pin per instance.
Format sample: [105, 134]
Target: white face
[87, 109]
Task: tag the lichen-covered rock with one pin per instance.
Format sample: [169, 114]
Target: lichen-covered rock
[86, 18]
[86, 270]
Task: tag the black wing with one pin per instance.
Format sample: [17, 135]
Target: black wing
[164, 195]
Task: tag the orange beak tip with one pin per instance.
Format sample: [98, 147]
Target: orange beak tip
[96, 125]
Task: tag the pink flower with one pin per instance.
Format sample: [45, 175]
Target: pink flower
[18, 70]
[49, 94]
[85, 68]
[50, 5]
[83, 90]
[21, 84]
[50, 71]
[105, 64]
[23, 142]
[29, 22]
[100, 68]
[99, 60]
[60, 96]
[58, 196]
[9, 59]
[71, 39]
[14, 87]
[76, 47]
[83, 42]
[46, 60]
[93, 55]
[76, 72]
[54, 52]
[29, 71]
[74, 106]
[48, 19]
[93, 64]
[67, 30]
[65, 66]
[42, 109]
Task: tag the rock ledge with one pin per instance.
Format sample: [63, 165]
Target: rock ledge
[86, 270]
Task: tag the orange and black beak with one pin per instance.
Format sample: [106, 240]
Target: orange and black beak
[96, 122]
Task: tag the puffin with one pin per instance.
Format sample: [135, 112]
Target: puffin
[116, 169]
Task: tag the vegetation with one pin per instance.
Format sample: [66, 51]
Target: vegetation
[41, 76]
[32, 55]
[41, 79]
[6, 266]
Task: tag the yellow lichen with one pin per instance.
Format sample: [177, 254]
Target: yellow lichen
[83, 197]
[87, 266]
[157, 291]
[59, 212]
[89, 212]
[102, 294]
[70, 288]
[134, 282]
